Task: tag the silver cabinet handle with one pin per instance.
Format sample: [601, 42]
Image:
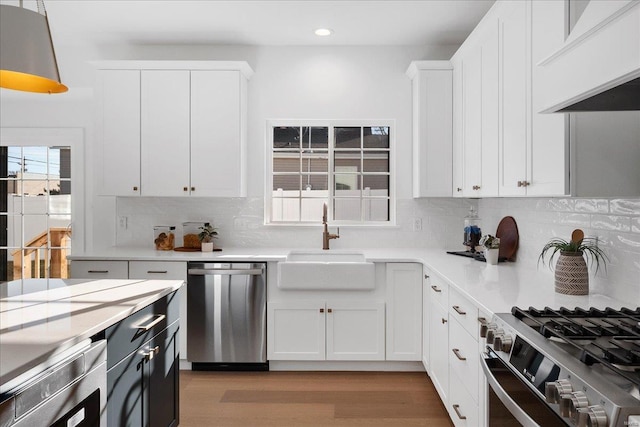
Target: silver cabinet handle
[148, 355]
[458, 413]
[157, 271]
[458, 310]
[435, 288]
[224, 271]
[458, 355]
[158, 318]
[98, 271]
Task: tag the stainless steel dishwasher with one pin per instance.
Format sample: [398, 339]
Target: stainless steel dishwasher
[227, 316]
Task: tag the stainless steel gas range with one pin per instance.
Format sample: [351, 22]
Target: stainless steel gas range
[563, 367]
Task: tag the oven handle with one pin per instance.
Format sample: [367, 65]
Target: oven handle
[504, 397]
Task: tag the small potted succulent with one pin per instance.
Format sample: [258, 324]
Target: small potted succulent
[571, 272]
[206, 236]
[491, 245]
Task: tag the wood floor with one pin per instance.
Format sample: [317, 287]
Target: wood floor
[309, 399]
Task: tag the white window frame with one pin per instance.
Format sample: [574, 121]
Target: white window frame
[330, 124]
[73, 138]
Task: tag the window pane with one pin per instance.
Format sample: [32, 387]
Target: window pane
[288, 161]
[347, 161]
[287, 183]
[285, 209]
[376, 209]
[31, 187]
[60, 204]
[315, 185]
[318, 138]
[34, 162]
[315, 162]
[35, 231]
[312, 209]
[376, 161]
[14, 231]
[348, 137]
[347, 185]
[375, 185]
[14, 201]
[346, 209]
[286, 137]
[59, 265]
[60, 165]
[376, 137]
[59, 225]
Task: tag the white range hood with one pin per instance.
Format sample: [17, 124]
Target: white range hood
[598, 66]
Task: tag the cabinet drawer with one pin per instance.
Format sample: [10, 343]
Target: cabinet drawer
[438, 290]
[464, 312]
[99, 269]
[464, 357]
[157, 270]
[131, 332]
[463, 410]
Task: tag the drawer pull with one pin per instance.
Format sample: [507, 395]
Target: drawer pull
[148, 355]
[322, 310]
[458, 310]
[458, 355]
[329, 310]
[458, 413]
[98, 271]
[426, 276]
[157, 271]
[435, 288]
[158, 318]
[444, 320]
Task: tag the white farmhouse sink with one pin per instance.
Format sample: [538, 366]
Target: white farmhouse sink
[326, 270]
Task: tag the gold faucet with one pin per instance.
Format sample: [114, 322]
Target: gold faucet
[326, 236]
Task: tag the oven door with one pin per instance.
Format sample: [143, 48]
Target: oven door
[512, 402]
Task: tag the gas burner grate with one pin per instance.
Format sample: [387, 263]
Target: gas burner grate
[610, 337]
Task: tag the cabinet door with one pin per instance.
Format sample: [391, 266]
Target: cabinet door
[463, 410]
[163, 378]
[426, 300]
[296, 330]
[404, 311]
[472, 94]
[217, 140]
[165, 132]
[125, 392]
[514, 58]
[439, 350]
[432, 133]
[464, 357]
[458, 128]
[355, 331]
[548, 169]
[118, 125]
[490, 109]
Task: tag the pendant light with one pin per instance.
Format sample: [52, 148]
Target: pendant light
[27, 58]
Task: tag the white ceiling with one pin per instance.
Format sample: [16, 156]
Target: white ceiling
[87, 30]
[263, 22]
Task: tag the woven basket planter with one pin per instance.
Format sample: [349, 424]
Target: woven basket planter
[572, 274]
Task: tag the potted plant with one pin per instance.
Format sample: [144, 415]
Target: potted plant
[491, 246]
[206, 237]
[571, 271]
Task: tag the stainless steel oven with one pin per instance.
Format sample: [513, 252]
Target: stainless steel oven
[559, 367]
[70, 393]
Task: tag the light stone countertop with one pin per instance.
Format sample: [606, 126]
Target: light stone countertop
[39, 325]
[494, 289]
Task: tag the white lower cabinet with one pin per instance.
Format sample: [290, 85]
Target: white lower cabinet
[463, 358]
[463, 410]
[404, 311]
[325, 330]
[439, 350]
[99, 269]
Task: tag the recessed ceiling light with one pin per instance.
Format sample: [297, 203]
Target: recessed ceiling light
[322, 32]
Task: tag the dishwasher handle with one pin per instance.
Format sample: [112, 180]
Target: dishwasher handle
[225, 271]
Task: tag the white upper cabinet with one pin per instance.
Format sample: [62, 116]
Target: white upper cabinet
[118, 130]
[164, 148]
[170, 128]
[514, 87]
[432, 128]
[472, 127]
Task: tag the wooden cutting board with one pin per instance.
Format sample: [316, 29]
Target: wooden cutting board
[507, 232]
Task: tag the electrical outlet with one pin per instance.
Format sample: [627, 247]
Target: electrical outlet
[417, 224]
[122, 222]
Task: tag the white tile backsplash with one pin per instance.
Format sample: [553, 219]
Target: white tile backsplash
[615, 222]
[240, 223]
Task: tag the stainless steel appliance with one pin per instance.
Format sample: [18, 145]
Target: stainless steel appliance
[71, 393]
[564, 367]
[226, 316]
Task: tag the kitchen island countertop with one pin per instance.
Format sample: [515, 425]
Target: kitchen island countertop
[37, 326]
[493, 288]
